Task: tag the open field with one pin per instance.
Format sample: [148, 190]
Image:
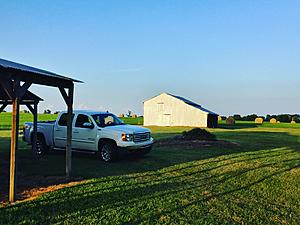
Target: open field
[254, 181]
[5, 119]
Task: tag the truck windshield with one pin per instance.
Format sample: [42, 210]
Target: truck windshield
[107, 119]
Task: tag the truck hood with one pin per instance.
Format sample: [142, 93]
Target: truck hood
[128, 129]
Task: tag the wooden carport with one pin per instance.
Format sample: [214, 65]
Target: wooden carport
[15, 79]
[31, 101]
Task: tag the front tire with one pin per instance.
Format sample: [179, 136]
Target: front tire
[108, 151]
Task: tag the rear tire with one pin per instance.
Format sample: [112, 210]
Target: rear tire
[41, 146]
[108, 151]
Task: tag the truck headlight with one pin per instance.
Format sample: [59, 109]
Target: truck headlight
[27, 127]
[127, 137]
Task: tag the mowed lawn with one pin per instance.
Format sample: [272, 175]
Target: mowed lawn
[256, 180]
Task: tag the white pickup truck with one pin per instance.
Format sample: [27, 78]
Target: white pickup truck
[101, 132]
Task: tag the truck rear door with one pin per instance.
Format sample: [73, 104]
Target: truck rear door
[60, 131]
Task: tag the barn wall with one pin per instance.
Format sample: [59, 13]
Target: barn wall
[165, 110]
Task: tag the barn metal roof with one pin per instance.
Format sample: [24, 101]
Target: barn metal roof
[17, 67]
[192, 104]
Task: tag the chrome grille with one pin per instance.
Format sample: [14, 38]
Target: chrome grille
[139, 137]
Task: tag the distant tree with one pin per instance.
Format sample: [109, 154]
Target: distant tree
[284, 118]
[47, 111]
[237, 117]
[25, 111]
[251, 117]
[56, 112]
[296, 118]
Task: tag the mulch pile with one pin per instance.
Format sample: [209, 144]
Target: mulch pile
[179, 141]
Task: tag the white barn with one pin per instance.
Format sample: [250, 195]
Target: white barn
[170, 110]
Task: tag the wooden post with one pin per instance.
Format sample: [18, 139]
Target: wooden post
[35, 118]
[13, 149]
[69, 132]
[34, 112]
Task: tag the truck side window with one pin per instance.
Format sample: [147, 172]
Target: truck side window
[63, 119]
[81, 119]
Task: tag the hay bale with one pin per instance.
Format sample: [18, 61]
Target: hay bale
[293, 121]
[259, 120]
[273, 120]
[121, 115]
[230, 120]
[134, 116]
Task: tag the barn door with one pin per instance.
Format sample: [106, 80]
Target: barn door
[167, 119]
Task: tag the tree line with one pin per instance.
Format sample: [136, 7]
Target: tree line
[280, 117]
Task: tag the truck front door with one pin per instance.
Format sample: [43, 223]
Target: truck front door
[84, 133]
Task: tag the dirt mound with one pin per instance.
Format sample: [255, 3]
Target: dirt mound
[197, 134]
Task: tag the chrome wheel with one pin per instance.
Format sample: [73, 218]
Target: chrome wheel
[106, 153]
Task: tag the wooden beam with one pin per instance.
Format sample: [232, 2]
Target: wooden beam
[8, 88]
[31, 109]
[64, 94]
[23, 89]
[34, 112]
[69, 132]
[13, 150]
[3, 107]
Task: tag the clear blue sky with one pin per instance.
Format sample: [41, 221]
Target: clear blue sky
[229, 56]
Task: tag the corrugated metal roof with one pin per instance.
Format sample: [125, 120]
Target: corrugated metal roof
[192, 104]
[17, 66]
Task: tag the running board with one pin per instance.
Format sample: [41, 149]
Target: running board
[76, 150]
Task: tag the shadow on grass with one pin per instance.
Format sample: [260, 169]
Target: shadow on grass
[140, 196]
[35, 173]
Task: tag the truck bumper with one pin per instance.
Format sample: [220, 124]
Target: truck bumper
[144, 149]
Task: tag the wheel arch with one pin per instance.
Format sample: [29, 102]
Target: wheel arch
[104, 140]
[37, 134]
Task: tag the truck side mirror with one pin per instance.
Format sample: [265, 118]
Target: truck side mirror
[88, 125]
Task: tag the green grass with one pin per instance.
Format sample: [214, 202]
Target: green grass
[6, 118]
[255, 182]
[133, 121]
